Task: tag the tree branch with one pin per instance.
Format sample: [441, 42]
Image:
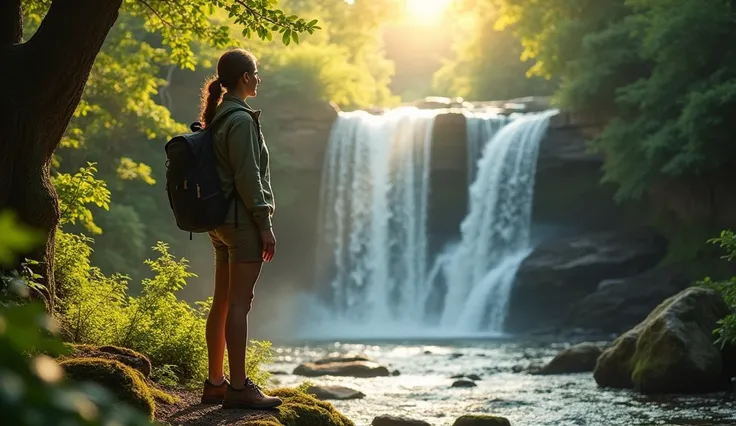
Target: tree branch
[158, 15]
[11, 22]
[254, 13]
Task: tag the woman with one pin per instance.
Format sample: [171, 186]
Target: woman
[244, 241]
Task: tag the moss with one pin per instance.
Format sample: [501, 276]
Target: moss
[127, 356]
[301, 409]
[162, 397]
[481, 420]
[124, 382]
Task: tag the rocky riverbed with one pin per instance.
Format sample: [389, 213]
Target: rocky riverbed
[423, 374]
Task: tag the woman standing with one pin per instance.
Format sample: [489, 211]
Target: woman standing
[244, 241]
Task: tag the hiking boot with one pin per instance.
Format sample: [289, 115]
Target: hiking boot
[212, 394]
[250, 397]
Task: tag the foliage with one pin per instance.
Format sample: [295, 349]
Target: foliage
[96, 309]
[726, 330]
[32, 390]
[654, 68]
[487, 64]
[318, 72]
[16, 238]
[76, 192]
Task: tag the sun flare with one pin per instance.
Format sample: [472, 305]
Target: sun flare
[426, 11]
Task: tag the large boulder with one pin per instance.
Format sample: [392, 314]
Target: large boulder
[580, 358]
[672, 350]
[561, 272]
[617, 305]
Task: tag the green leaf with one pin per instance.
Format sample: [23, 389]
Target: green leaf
[15, 238]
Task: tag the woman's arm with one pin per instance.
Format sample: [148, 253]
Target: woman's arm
[245, 157]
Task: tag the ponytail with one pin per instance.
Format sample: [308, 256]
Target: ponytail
[211, 95]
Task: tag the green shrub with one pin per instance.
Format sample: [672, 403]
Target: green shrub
[96, 310]
[31, 389]
[726, 330]
[123, 381]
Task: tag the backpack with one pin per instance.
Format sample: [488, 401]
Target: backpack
[192, 182]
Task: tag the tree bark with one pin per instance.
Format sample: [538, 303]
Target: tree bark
[44, 79]
[11, 27]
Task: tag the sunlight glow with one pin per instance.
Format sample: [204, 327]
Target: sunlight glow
[426, 11]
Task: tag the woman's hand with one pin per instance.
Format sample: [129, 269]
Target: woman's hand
[268, 239]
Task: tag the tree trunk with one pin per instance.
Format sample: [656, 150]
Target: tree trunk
[43, 83]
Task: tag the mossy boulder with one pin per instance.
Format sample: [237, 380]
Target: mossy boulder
[672, 350]
[301, 409]
[481, 420]
[127, 356]
[580, 358]
[124, 382]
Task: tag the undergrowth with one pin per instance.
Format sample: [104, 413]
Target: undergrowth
[726, 330]
[96, 309]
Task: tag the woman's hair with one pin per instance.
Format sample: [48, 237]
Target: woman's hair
[231, 66]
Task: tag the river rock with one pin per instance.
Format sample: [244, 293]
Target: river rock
[347, 369]
[334, 393]
[481, 420]
[617, 305]
[561, 272]
[580, 358]
[397, 421]
[464, 384]
[672, 350]
[344, 358]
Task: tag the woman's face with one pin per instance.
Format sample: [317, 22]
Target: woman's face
[252, 80]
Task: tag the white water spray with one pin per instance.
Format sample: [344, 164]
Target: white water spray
[373, 228]
[372, 241]
[480, 270]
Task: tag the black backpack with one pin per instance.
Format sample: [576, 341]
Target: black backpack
[192, 182]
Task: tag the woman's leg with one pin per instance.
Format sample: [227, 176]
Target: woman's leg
[243, 278]
[215, 333]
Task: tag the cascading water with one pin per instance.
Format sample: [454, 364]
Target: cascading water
[372, 239]
[479, 270]
[480, 127]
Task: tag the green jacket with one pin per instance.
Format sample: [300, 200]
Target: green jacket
[243, 162]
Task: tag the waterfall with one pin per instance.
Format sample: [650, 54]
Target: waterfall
[372, 239]
[480, 269]
[480, 127]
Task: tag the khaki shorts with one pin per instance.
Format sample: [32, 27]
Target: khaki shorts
[235, 245]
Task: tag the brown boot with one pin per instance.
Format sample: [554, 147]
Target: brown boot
[250, 397]
[212, 394]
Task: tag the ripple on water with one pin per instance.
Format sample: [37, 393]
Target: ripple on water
[422, 391]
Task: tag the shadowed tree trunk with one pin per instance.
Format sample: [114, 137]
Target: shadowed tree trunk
[43, 80]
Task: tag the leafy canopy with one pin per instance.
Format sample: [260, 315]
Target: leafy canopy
[653, 69]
